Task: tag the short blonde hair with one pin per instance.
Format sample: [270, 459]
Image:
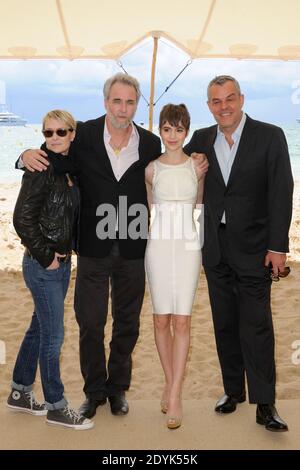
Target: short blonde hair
[64, 116]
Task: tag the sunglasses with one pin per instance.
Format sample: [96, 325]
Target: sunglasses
[284, 273]
[59, 132]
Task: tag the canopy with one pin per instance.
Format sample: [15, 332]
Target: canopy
[103, 29]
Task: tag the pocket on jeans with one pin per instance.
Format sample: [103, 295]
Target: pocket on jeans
[47, 274]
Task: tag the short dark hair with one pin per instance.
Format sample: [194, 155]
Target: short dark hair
[175, 114]
[220, 80]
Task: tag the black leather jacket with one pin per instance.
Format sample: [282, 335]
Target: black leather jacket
[44, 214]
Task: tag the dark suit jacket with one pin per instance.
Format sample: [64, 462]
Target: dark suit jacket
[98, 185]
[257, 199]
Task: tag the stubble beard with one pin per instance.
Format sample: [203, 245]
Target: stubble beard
[119, 125]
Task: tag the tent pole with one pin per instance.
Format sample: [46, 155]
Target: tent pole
[151, 101]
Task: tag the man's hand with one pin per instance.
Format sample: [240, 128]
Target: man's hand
[277, 261]
[35, 160]
[201, 163]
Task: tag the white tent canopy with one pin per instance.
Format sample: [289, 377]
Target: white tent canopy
[103, 29]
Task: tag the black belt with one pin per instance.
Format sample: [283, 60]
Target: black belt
[61, 259]
[222, 225]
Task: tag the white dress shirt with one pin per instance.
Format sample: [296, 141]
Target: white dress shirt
[226, 154]
[127, 156]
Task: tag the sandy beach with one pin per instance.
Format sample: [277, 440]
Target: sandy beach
[203, 383]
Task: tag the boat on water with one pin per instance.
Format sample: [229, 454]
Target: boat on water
[10, 119]
[7, 118]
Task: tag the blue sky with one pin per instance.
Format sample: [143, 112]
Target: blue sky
[272, 89]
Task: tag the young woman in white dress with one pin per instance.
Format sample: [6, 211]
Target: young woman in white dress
[173, 254]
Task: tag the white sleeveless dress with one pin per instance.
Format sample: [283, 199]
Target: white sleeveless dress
[173, 254]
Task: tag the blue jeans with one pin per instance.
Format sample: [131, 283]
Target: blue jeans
[43, 340]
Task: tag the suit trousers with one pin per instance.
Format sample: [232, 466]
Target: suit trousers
[240, 303]
[127, 281]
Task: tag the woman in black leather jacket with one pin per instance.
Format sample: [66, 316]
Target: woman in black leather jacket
[45, 219]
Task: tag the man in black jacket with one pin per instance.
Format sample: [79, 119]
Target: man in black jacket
[111, 153]
[247, 213]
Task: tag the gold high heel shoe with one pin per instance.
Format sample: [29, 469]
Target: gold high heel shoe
[174, 422]
[163, 406]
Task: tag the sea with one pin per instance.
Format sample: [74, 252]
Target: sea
[14, 140]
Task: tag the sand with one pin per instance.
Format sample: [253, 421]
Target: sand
[202, 386]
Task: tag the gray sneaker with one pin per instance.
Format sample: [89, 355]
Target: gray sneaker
[69, 418]
[25, 402]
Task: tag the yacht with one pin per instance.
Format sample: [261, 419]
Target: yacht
[10, 119]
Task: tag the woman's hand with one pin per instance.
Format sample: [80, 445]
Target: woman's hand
[55, 262]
